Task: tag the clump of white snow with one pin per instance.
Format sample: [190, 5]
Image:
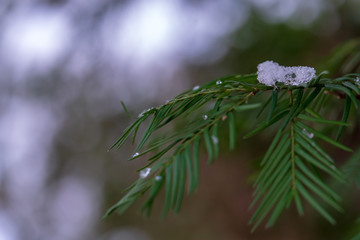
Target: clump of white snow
[269, 73]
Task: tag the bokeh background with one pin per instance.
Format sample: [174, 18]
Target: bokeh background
[65, 67]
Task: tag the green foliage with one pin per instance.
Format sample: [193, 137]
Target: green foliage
[294, 167]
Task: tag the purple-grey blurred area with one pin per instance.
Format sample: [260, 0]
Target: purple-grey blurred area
[65, 67]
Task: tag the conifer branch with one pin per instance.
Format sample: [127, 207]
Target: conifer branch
[294, 166]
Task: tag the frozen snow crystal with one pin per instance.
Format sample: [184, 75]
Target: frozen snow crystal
[269, 73]
[158, 178]
[309, 134]
[142, 114]
[145, 111]
[145, 172]
[215, 139]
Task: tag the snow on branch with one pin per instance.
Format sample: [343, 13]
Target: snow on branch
[270, 73]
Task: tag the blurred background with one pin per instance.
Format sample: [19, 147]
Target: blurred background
[65, 67]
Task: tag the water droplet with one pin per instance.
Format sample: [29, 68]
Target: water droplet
[158, 178]
[333, 167]
[135, 154]
[196, 88]
[215, 139]
[145, 172]
[218, 82]
[309, 134]
[205, 117]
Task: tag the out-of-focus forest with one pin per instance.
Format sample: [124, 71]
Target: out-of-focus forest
[65, 67]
